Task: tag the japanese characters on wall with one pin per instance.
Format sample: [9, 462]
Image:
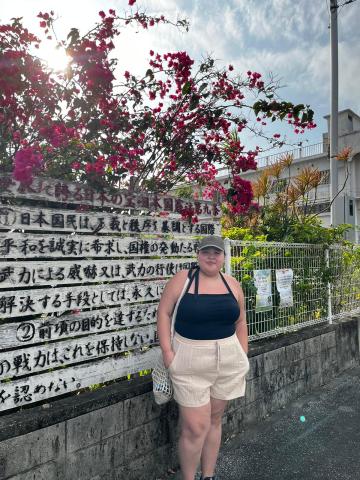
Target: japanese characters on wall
[20, 303]
[37, 330]
[49, 219]
[56, 354]
[75, 272]
[76, 193]
[79, 287]
[17, 245]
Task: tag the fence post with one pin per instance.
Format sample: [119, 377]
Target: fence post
[227, 243]
[327, 259]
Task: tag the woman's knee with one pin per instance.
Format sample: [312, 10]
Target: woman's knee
[195, 428]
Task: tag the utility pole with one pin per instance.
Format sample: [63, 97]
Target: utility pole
[334, 128]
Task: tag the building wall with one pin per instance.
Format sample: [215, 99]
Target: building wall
[349, 136]
[118, 432]
[348, 120]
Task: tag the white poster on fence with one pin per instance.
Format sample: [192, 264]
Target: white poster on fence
[284, 279]
[262, 280]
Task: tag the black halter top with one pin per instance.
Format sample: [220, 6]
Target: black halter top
[206, 316]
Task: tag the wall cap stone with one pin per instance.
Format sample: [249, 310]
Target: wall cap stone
[64, 408]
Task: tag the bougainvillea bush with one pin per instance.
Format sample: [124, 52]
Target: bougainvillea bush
[178, 122]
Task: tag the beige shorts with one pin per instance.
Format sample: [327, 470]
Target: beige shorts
[207, 368]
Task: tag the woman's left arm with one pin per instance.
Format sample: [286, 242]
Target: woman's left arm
[241, 325]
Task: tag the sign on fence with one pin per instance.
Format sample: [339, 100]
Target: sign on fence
[79, 288]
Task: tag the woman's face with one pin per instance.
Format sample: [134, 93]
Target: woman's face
[211, 260]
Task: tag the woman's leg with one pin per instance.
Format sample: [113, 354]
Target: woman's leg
[194, 426]
[212, 442]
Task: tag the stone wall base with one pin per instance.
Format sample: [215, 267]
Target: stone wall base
[119, 433]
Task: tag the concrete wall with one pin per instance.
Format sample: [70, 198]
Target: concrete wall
[118, 432]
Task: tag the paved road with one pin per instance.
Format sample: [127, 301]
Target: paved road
[316, 437]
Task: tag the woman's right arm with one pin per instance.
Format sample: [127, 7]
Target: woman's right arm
[165, 310]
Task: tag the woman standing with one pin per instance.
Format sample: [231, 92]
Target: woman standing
[207, 359]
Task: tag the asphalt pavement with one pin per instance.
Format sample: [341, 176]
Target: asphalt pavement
[315, 437]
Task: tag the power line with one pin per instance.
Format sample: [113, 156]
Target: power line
[346, 3]
[341, 5]
[337, 7]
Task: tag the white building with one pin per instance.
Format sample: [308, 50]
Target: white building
[317, 156]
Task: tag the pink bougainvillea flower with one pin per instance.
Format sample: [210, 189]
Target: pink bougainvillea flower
[27, 162]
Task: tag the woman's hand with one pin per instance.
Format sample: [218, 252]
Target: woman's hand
[168, 357]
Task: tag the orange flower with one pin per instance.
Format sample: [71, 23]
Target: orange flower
[307, 179]
[287, 159]
[275, 170]
[262, 185]
[344, 155]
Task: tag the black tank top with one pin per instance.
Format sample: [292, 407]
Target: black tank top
[206, 316]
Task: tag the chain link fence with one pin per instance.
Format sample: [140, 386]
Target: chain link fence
[344, 272]
[289, 286]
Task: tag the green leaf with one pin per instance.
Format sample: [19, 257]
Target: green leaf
[149, 73]
[94, 125]
[297, 109]
[257, 107]
[202, 87]
[73, 35]
[194, 102]
[186, 88]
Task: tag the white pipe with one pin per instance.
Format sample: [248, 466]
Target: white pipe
[227, 243]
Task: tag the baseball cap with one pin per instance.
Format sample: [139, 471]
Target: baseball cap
[212, 241]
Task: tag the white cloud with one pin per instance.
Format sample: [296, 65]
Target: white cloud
[289, 38]
[282, 19]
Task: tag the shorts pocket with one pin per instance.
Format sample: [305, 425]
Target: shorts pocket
[242, 351]
[181, 363]
[244, 358]
[176, 348]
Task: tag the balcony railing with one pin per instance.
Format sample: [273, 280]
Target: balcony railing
[301, 152]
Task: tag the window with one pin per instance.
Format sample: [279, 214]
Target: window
[351, 208]
[279, 186]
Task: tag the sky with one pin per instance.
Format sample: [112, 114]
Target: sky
[287, 39]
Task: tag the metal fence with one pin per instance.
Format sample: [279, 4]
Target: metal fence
[344, 267]
[289, 286]
[301, 152]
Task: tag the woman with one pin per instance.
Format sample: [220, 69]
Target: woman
[207, 359]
